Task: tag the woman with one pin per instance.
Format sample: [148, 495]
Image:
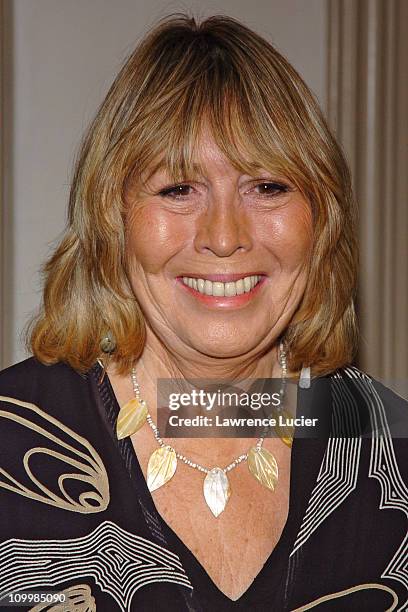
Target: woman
[211, 235]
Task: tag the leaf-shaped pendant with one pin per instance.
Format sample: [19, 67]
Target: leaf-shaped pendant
[262, 465]
[161, 467]
[216, 490]
[131, 418]
[285, 432]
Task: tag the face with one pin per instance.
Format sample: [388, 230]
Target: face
[218, 262]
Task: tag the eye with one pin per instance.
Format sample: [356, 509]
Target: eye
[269, 188]
[263, 188]
[176, 191]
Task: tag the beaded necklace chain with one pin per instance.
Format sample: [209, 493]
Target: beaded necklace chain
[163, 461]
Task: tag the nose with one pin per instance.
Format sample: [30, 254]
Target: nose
[223, 229]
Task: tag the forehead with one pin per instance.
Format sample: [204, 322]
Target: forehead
[205, 157]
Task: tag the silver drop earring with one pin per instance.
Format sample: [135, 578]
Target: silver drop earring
[304, 380]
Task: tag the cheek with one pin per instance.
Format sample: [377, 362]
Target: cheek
[152, 238]
[288, 233]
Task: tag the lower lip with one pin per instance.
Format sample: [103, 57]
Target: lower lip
[216, 301]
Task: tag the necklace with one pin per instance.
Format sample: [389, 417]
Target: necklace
[216, 488]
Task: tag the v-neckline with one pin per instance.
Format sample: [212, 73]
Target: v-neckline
[284, 539]
[187, 558]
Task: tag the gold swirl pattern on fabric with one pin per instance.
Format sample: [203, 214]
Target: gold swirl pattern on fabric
[78, 599]
[73, 450]
[359, 587]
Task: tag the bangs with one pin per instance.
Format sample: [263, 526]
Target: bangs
[208, 91]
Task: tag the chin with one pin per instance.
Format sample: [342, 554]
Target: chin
[224, 346]
[221, 353]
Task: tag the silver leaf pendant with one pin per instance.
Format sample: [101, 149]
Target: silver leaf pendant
[263, 466]
[161, 467]
[216, 490]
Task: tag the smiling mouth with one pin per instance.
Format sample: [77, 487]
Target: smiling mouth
[221, 289]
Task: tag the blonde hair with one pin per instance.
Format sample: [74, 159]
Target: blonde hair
[262, 115]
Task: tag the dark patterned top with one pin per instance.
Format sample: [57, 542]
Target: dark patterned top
[77, 516]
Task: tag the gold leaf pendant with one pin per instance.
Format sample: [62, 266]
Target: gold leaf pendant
[263, 466]
[131, 418]
[285, 432]
[161, 467]
[216, 490]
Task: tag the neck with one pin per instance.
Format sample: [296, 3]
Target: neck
[157, 361]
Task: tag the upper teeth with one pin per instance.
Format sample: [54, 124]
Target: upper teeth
[217, 288]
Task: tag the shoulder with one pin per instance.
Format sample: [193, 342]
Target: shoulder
[50, 439]
[31, 379]
[351, 387]
[376, 395]
[55, 390]
[385, 416]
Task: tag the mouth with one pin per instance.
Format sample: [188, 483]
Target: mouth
[223, 290]
[218, 288]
